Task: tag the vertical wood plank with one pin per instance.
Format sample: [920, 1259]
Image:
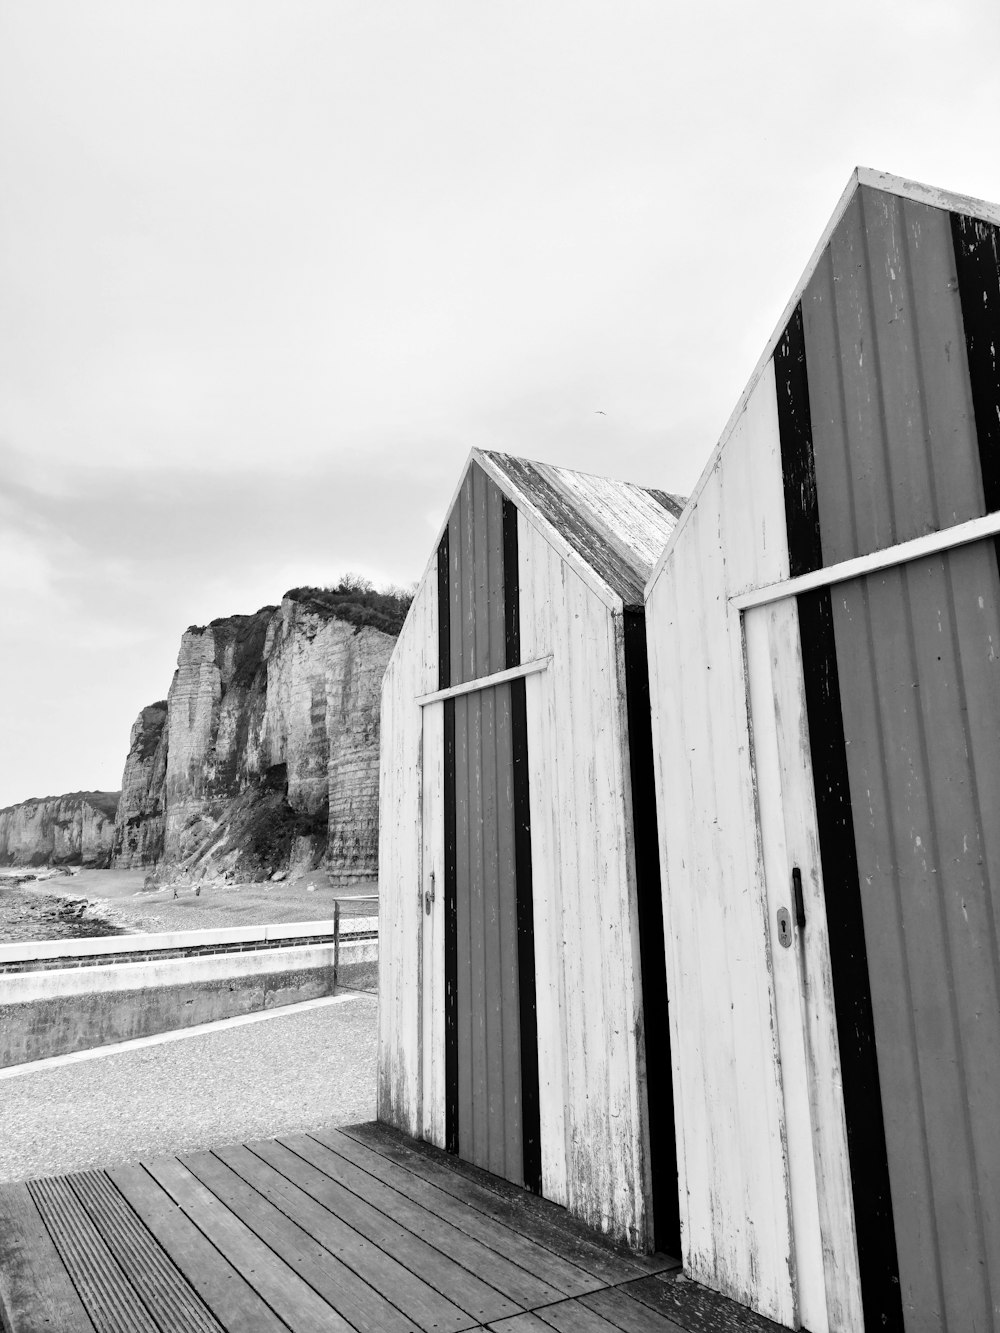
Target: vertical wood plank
[493, 999]
[412, 671]
[943, 367]
[463, 929]
[432, 996]
[509, 976]
[535, 639]
[727, 1084]
[479, 1139]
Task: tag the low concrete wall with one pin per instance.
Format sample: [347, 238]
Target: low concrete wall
[77, 999]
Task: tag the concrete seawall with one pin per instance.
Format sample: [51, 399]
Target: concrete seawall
[62, 996]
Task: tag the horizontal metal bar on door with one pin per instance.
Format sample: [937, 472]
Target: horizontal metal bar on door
[976, 529]
[484, 682]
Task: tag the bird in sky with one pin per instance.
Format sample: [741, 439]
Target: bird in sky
[599, 413]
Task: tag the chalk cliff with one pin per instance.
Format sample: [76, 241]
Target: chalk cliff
[265, 755]
[138, 836]
[75, 829]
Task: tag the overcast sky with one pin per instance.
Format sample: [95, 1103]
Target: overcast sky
[269, 270]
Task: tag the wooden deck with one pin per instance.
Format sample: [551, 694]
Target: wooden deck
[357, 1229]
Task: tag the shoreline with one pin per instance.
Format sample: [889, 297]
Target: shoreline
[47, 904]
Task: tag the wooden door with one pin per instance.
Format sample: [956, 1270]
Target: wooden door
[493, 1026]
[431, 906]
[825, 1262]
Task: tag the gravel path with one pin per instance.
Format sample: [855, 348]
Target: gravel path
[293, 1072]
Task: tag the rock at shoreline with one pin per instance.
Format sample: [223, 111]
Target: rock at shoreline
[26, 915]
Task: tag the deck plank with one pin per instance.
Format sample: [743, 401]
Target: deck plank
[36, 1293]
[234, 1303]
[510, 1279]
[566, 1277]
[357, 1303]
[288, 1296]
[628, 1314]
[329, 1232]
[519, 1323]
[164, 1291]
[574, 1317]
[469, 1292]
[291, 1299]
[546, 1223]
[108, 1295]
[426, 1306]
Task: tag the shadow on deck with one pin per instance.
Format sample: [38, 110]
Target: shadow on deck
[359, 1229]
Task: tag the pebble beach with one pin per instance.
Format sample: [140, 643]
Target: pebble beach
[51, 904]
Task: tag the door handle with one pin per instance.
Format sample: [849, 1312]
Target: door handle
[429, 896]
[800, 905]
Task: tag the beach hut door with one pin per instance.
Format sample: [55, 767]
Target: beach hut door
[825, 1263]
[491, 1047]
[430, 908]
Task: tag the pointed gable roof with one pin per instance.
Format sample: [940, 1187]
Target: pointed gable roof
[616, 527]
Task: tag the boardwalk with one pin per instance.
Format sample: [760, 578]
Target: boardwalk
[357, 1229]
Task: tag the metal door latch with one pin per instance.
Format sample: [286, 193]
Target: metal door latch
[429, 896]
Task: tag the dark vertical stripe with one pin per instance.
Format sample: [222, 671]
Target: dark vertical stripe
[880, 1292]
[491, 604]
[444, 615]
[798, 463]
[977, 260]
[450, 934]
[531, 1134]
[652, 956]
[838, 853]
[450, 866]
[512, 592]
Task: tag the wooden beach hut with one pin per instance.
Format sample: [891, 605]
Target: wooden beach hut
[824, 646]
[521, 957]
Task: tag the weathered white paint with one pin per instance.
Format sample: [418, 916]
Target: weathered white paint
[412, 672]
[826, 1260]
[932, 543]
[592, 1094]
[485, 682]
[736, 1223]
[431, 984]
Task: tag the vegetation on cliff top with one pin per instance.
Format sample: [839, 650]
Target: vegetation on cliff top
[105, 801]
[359, 602]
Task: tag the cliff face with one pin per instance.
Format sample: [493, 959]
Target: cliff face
[138, 835]
[76, 829]
[265, 756]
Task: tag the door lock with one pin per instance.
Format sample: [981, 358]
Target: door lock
[429, 896]
[785, 917]
[784, 928]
